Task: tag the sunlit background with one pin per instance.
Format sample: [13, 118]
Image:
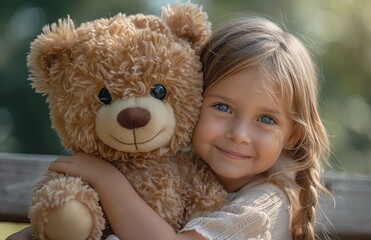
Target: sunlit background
[338, 32]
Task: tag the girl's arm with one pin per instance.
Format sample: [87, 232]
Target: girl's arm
[129, 216]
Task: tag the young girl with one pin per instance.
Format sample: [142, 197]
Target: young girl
[260, 132]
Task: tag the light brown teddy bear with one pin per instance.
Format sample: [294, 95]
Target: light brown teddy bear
[128, 90]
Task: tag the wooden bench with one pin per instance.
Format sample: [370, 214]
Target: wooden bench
[350, 218]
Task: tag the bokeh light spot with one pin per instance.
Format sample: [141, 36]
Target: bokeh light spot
[26, 21]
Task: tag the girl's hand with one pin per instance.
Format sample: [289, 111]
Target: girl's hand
[88, 167]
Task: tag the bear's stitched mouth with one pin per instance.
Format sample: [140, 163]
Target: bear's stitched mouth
[135, 142]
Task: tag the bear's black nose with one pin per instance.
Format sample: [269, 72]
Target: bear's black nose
[131, 118]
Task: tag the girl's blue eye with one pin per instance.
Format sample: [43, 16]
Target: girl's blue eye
[267, 120]
[222, 107]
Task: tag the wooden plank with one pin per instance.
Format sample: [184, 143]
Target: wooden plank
[18, 174]
[351, 216]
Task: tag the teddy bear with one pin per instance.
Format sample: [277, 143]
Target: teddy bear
[128, 90]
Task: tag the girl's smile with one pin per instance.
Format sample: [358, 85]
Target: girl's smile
[233, 155]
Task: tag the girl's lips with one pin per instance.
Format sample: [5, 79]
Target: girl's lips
[232, 154]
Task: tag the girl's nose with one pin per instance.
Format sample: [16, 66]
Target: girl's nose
[239, 132]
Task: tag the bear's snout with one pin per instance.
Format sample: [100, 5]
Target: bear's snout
[131, 118]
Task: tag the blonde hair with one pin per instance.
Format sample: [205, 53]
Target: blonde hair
[285, 61]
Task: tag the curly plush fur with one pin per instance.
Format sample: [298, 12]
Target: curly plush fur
[128, 90]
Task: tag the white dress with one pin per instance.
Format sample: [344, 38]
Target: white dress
[254, 212]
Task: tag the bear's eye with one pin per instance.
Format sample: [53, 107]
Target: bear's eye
[158, 91]
[104, 96]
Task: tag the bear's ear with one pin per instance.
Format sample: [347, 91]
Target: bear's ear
[189, 22]
[50, 53]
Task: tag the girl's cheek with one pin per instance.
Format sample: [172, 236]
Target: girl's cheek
[204, 132]
[199, 131]
[272, 139]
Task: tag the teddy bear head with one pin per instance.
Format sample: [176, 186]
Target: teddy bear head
[125, 86]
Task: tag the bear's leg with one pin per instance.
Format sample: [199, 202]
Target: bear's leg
[72, 221]
[66, 208]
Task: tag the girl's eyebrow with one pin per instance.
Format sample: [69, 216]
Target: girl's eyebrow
[272, 111]
[223, 97]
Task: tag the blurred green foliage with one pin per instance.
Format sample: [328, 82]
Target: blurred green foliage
[337, 33]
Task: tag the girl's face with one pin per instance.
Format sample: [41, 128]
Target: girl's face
[241, 130]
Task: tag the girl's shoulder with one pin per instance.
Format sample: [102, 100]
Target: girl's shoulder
[265, 197]
[269, 200]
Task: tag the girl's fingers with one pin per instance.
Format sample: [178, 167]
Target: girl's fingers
[59, 166]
